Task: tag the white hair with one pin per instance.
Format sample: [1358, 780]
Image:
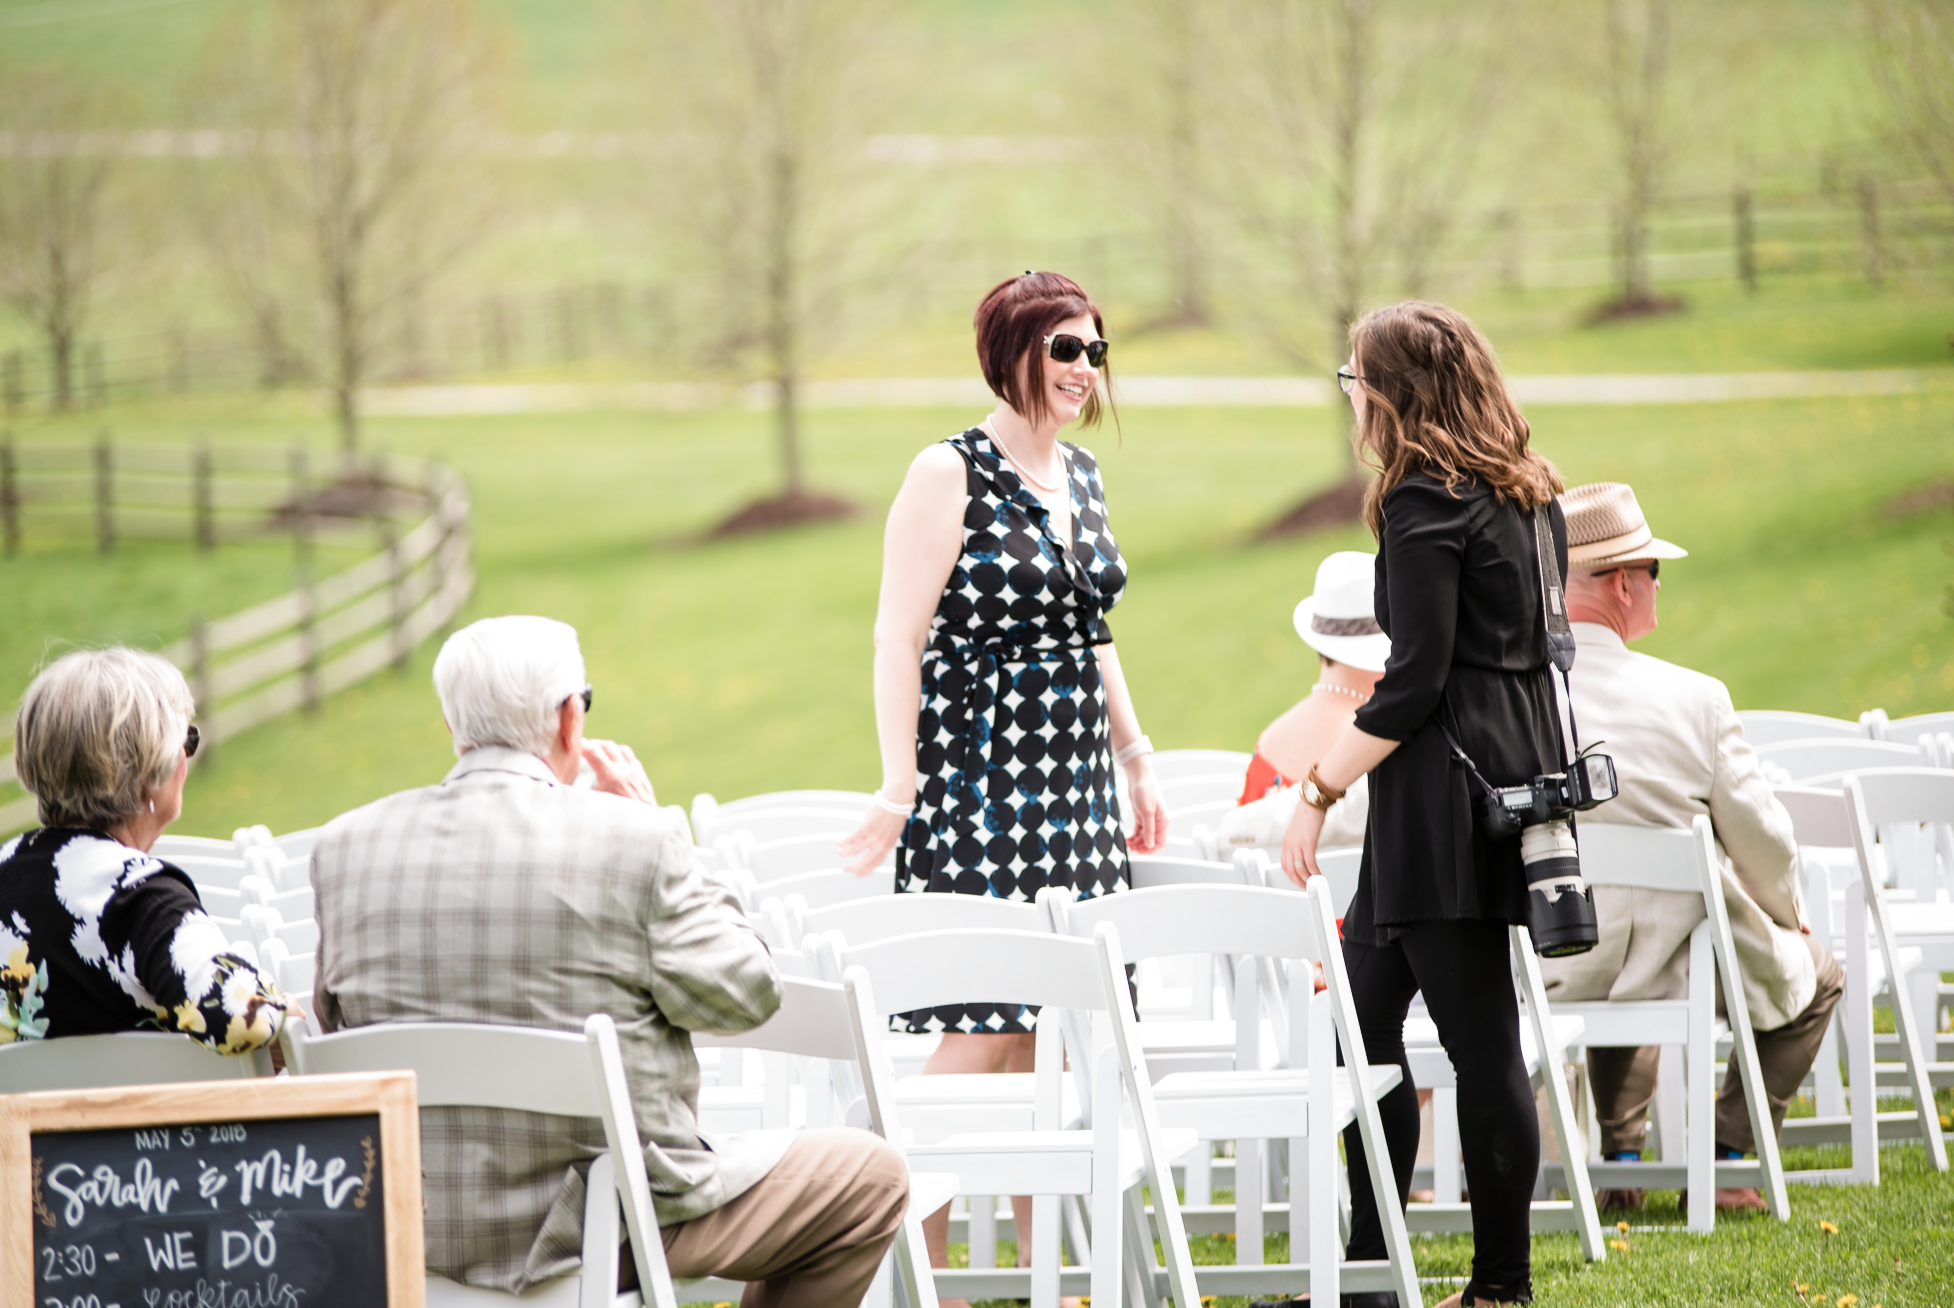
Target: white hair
[99, 729]
[502, 681]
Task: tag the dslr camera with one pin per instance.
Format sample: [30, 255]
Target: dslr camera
[1560, 905]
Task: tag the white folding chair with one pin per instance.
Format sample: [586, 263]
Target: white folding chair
[1545, 1036]
[1103, 1161]
[294, 973]
[1877, 800]
[301, 935]
[712, 819]
[126, 1058]
[1303, 1100]
[526, 1069]
[291, 904]
[1667, 859]
[774, 859]
[1200, 789]
[813, 1026]
[1772, 726]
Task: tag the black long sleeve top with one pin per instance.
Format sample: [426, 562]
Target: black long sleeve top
[1458, 592]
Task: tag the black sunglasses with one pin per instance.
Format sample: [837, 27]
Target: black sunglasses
[1065, 348]
[191, 741]
[1653, 567]
[585, 692]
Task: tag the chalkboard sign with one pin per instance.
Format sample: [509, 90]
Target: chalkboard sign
[295, 1193]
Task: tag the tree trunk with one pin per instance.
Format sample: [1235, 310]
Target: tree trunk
[783, 322]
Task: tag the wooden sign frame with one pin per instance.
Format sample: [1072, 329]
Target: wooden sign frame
[389, 1095]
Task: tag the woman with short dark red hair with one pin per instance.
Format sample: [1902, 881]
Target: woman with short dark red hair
[999, 701]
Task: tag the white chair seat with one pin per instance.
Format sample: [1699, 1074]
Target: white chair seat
[1263, 1105]
[934, 1106]
[1042, 1162]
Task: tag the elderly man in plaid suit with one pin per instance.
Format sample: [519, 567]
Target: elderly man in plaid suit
[506, 894]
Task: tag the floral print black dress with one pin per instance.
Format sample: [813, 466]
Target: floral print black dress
[96, 937]
[1014, 771]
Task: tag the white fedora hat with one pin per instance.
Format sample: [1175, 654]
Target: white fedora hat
[1606, 528]
[1340, 621]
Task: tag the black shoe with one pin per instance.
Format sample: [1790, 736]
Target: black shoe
[1372, 1299]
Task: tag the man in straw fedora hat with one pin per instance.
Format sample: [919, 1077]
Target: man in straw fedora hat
[1679, 750]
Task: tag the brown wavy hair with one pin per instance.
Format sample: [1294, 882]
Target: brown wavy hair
[1436, 402]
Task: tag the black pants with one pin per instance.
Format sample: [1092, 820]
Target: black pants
[1463, 970]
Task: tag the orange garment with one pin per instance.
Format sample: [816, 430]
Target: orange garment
[1262, 780]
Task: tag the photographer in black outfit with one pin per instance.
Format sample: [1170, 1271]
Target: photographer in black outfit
[1459, 592]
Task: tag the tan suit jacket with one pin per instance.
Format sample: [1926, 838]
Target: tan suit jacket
[501, 896]
[1679, 750]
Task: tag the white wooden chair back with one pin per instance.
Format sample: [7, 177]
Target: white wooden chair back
[1819, 815]
[1208, 919]
[1905, 729]
[1773, 726]
[773, 859]
[1185, 792]
[712, 819]
[1149, 870]
[209, 871]
[525, 1069]
[1805, 760]
[769, 824]
[1173, 764]
[833, 886]
[126, 1058]
[170, 848]
[859, 921]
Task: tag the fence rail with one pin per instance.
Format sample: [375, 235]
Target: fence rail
[1752, 232]
[290, 652]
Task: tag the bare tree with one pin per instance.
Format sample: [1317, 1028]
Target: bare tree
[1636, 66]
[361, 121]
[1163, 105]
[53, 180]
[1352, 146]
[770, 99]
[1913, 58]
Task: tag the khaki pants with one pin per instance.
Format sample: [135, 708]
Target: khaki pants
[1624, 1079]
[811, 1232]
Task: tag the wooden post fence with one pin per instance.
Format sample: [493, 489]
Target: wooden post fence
[204, 528]
[9, 495]
[104, 493]
[328, 633]
[1746, 219]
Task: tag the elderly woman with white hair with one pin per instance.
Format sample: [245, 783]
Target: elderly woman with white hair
[96, 936]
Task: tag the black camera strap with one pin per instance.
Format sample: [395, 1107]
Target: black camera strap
[1553, 607]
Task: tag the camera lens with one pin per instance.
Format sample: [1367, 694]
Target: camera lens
[1560, 907]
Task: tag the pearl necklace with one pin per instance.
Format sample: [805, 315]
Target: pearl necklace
[998, 441]
[1357, 695]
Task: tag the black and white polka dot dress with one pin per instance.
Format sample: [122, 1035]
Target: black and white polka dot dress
[1014, 770]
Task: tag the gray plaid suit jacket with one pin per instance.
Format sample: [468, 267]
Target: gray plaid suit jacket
[501, 896]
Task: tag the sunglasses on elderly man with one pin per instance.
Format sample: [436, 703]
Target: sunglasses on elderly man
[1066, 348]
[1653, 567]
[191, 741]
[586, 696]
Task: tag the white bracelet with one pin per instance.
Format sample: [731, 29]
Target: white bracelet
[889, 805]
[1137, 749]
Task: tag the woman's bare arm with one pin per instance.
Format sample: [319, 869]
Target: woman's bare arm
[920, 546]
[1123, 725]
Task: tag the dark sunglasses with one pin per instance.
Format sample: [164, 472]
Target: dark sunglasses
[1653, 567]
[1346, 379]
[1066, 348]
[191, 741]
[585, 692]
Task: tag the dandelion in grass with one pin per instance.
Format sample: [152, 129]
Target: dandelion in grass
[1619, 1244]
[1830, 1228]
[1622, 1227]
[1847, 1300]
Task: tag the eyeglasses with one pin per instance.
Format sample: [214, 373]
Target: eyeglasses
[191, 741]
[586, 695]
[1346, 379]
[1653, 567]
[1066, 348]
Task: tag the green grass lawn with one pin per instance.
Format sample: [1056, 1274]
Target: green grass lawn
[744, 666]
[1890, 1249]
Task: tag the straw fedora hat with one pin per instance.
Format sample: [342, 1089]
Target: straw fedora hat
[1606, 528]
[1339, 620]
